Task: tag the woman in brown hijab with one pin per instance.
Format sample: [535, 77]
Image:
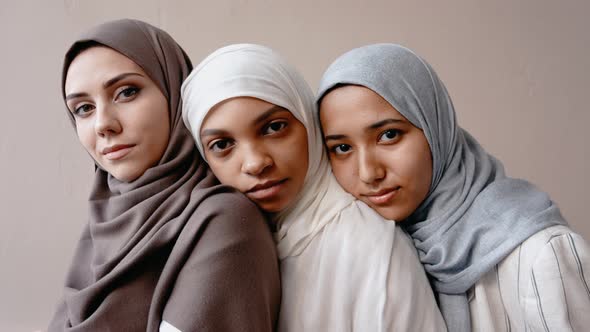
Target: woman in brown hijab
[166, 247]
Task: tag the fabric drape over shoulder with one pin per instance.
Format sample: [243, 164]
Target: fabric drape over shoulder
[343, 268]
[474, 215]
[172, 245]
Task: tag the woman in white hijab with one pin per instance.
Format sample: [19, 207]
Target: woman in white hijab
[344, 268]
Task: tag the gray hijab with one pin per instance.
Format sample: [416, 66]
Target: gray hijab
[474, 215]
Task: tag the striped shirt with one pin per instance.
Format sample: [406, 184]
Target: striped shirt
[543, 285]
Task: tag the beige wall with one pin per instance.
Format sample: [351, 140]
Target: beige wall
[517, 71]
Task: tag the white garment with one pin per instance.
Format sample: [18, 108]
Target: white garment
[353, 277]
[167, 327]
[543, 285]
[344, 268]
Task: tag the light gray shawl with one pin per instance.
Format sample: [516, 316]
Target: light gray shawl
[474, 215]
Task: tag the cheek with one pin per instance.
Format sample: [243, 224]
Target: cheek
[345, 173]
[163, 130]
[426, 167]
[86, 136]
[419, 168]
[293, 153]
[157, 121]
[151, 116]
[225, 170]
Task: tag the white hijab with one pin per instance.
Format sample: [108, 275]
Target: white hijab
[247, 70]
[343, 267]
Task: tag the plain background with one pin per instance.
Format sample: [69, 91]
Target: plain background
[517, 72]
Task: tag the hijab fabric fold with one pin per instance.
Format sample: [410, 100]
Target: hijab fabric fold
[138, 234]
[474, 215]
[248, 70]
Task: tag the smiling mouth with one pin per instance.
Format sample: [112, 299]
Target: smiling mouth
[266, 190]
[117, 152]
[382, 197]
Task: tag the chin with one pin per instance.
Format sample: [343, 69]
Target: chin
[271, 209]
[274, 207]
[387, 213]
[125, 176]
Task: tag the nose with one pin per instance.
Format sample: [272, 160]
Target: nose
[106, 122]
[370, 168]
[256, 160]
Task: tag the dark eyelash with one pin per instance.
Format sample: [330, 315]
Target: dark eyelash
[282, 123]
[396, 133]
[77, 111]
[216, 143]
[335, 147]
[133, 89]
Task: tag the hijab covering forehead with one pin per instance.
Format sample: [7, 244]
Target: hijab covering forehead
[248, 70]
[126, 248]
[132, 45]
[474, 215]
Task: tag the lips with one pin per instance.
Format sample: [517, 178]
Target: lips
[116, 152]
[383, 196]
[266, 190]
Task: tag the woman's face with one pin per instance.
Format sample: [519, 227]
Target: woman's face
[121, 116]
[258, 148]
[376, 154]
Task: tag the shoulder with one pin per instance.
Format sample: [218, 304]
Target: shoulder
[546, 247]
[548, 236]
[556, 248]
[229, 219]
[363, 229]
[542, 284]
[230, 228]
[358, 215]
[230, 267]
[227, 201]
[555, 275]
[361, 232]
[231, 212]
[375, 226]
[387, 257]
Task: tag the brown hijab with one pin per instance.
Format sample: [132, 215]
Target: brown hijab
[166, 246]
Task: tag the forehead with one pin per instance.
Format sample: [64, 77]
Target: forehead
[240, 114]
[354, 107]
[96, 65]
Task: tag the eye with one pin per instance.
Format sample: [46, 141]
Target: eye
[341, 149]
[221, 145]
[389, 135]
[274, 127]
[128, 93]
[83, 110]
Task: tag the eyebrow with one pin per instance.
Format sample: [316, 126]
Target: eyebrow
[334, 137]
[268, 113]
[118, 78]
[76, 95]
[382, 123]
[105, 85]
[370, 127]
[214, 132]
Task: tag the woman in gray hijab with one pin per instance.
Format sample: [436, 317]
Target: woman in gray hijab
[166, 247]
[500, 255]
